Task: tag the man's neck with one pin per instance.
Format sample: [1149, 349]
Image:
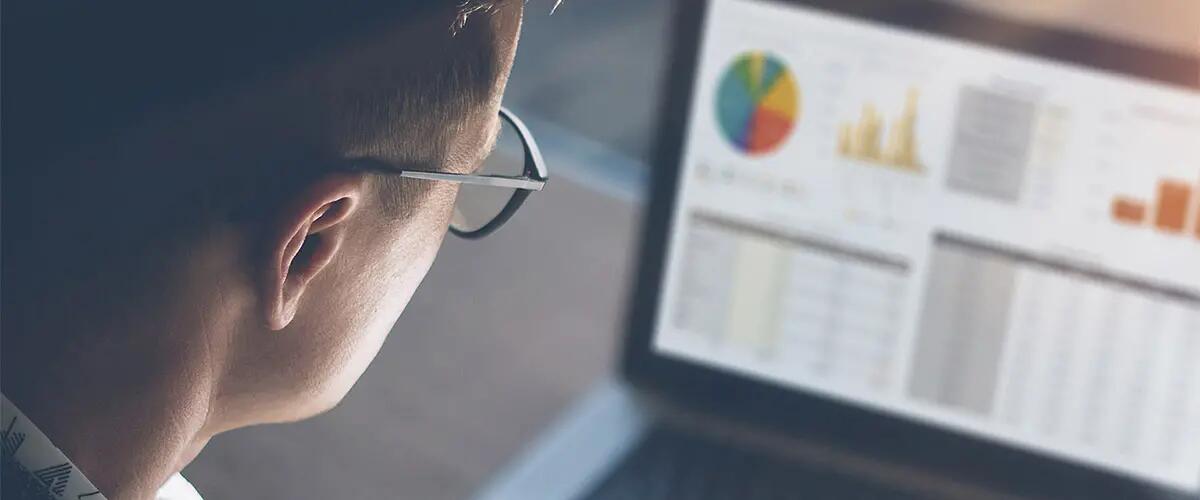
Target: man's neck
[121, 370]
[128, 426]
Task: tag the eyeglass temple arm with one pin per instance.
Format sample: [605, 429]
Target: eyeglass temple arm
[478, 180]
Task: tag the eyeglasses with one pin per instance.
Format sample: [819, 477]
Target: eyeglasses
[488, 198]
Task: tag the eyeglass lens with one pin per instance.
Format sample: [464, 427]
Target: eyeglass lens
[476, 206]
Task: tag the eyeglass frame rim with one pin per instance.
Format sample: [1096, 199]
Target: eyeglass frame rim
[534, 177]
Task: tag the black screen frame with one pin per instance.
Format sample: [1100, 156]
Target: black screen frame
[806, 415]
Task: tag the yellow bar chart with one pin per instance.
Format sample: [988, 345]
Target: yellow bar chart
[864, 139]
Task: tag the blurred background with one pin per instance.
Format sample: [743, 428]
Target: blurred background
[507, 332]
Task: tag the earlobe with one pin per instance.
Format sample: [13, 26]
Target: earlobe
[304, 238]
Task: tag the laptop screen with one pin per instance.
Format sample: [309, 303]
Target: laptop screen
[968, 237]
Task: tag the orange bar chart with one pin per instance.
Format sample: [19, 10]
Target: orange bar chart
[1171, 210]
[1176, 204]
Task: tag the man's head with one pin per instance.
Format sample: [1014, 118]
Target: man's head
[180, 206]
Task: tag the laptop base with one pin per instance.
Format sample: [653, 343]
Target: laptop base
[612, 445]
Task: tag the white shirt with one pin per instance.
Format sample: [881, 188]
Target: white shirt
[33, 451]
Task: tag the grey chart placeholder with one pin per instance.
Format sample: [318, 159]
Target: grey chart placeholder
[991, 145]
[963, 324]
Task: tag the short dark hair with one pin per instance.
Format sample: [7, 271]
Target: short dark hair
[74, 70]
[75, 67]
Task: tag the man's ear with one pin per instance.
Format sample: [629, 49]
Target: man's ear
[303, 239]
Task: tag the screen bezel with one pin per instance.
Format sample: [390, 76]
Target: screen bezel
[810, 416]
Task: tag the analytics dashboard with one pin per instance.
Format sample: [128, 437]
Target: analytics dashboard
[966, 236]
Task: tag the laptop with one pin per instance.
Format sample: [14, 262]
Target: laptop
[904, 249]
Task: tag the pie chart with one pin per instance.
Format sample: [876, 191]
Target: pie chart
[758, 103]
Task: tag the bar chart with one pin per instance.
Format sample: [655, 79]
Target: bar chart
[1174, 208]
[863, 138]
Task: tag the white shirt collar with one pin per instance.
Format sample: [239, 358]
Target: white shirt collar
[33, 451]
